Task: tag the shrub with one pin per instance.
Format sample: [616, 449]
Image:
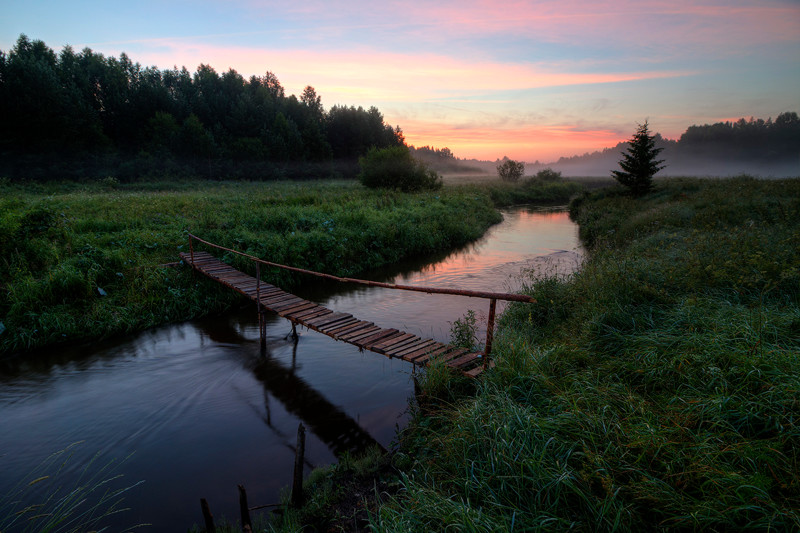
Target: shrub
[395, 168]
[463, 332]
[511, 170]
[548, 174]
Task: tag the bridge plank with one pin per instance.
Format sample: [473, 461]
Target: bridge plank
[466, 360]
[425, 357]
[398, 343]
[328, 328]
[297, 308]
[305, 316]
[424, 343]
[353, 337]
[318, 322]
[382, 334]
[287, 304]
[414, 346]
[397, 348]
[422, 351]
[358, 325]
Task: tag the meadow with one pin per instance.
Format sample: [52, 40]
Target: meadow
[80, 261]
[655, 389]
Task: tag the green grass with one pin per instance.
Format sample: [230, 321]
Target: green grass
[655, 389]
[82, 261]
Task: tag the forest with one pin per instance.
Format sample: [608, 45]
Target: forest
[80, 114]
[757, 146]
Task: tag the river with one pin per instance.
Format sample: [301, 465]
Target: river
[189, 411]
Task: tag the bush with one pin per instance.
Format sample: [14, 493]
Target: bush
[548, 174]
[463, 332]
[511, 170]
[395, 168]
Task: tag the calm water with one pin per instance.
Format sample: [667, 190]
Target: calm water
[196, 409]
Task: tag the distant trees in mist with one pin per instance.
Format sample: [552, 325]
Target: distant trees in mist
[746, 145]
[758, 139]
[75, 114]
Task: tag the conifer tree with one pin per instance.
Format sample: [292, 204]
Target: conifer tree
[639, 164]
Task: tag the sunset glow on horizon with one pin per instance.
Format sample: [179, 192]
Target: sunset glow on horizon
[528, 80]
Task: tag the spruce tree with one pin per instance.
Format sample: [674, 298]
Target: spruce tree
[639, 164]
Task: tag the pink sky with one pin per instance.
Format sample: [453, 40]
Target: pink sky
[527, 79]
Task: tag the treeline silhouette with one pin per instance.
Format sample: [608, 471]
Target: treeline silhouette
[80, 114]
[753, 139]
[746, 145]
[443, 160]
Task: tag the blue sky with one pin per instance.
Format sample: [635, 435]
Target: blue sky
[531, 80]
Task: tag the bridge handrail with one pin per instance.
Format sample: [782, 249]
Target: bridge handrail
[428, 290]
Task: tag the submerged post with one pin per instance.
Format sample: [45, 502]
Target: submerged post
[207, 516]
[299, 457]
[489, 334]
[244, 511]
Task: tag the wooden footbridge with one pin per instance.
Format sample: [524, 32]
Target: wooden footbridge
[344, 326]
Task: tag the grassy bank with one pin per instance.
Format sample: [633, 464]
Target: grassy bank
[656, 389]
[81, 261]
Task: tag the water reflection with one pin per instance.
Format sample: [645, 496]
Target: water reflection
[200, 409]
[328, 422]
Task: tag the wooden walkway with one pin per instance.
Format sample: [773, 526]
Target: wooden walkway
[340, 326]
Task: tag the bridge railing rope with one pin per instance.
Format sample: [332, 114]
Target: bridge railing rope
[491, 296]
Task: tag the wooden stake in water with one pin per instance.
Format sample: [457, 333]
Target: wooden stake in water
[297, 482]
[247, 525]
[207, 516]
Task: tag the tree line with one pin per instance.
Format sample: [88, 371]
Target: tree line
[758, 145]
[78, 114]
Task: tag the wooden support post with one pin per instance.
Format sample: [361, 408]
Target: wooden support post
[297, 482]
[207, 516]
[489, 334]
[191, 250]
[247, 525]
[262, 323]
[294, 331]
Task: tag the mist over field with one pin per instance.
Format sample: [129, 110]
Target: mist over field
[758, 147]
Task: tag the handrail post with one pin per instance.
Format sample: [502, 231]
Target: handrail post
[489, 334]
[191, 248]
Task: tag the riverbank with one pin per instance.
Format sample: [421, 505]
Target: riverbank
[85, 261]
[655, 389]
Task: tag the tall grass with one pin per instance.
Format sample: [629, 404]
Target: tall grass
[47, 500]
[81, 261]
[655, 389]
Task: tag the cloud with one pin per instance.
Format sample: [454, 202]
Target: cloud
[350, 76]
[724, 25]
